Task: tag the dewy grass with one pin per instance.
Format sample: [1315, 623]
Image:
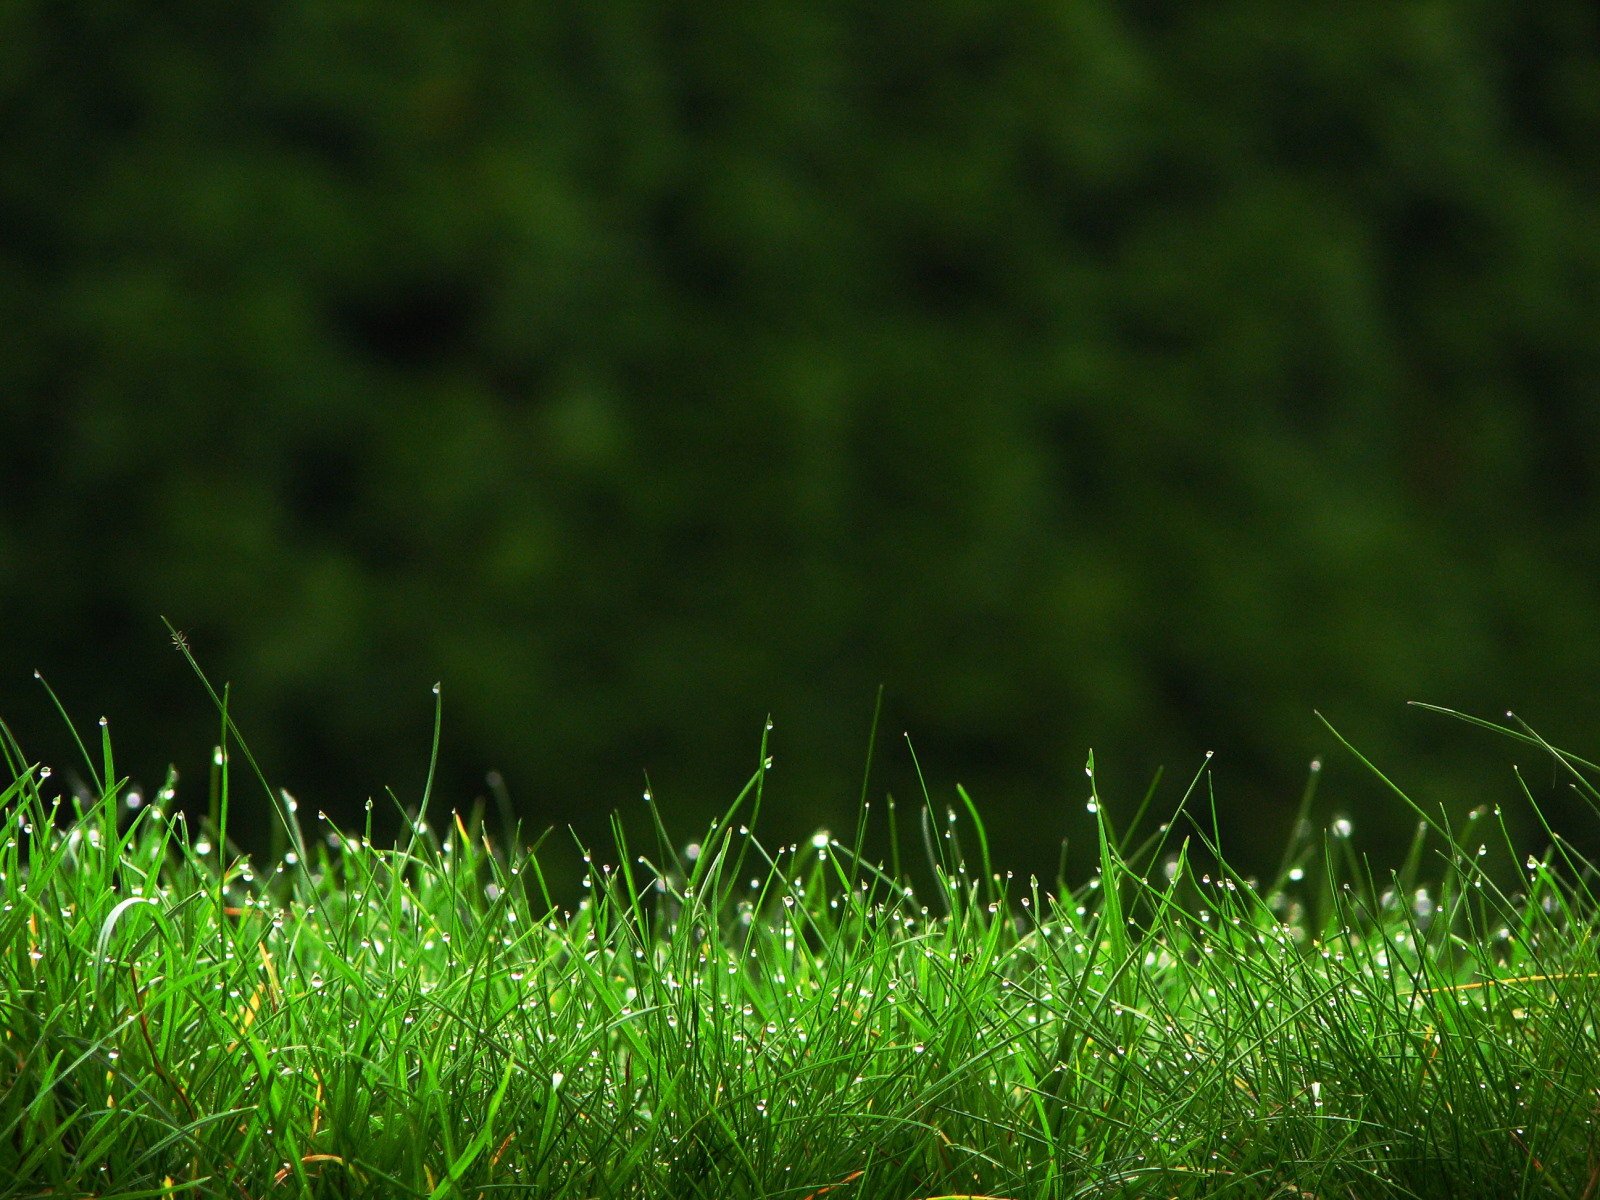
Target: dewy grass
[736, 1020]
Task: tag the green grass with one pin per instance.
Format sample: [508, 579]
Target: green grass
[738, 1020]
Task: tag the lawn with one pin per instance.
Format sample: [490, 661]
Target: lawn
[725, 1018]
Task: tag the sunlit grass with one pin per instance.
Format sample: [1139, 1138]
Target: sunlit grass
[723, 1018]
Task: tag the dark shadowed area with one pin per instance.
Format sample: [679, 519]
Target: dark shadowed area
[1095, 374]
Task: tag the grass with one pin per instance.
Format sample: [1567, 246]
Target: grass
[737, 1020]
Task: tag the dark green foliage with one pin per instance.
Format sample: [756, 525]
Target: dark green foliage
[1088, 374]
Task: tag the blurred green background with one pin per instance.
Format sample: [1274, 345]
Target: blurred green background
[1116, 375]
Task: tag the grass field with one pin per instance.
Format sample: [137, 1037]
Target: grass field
[729, 1019]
